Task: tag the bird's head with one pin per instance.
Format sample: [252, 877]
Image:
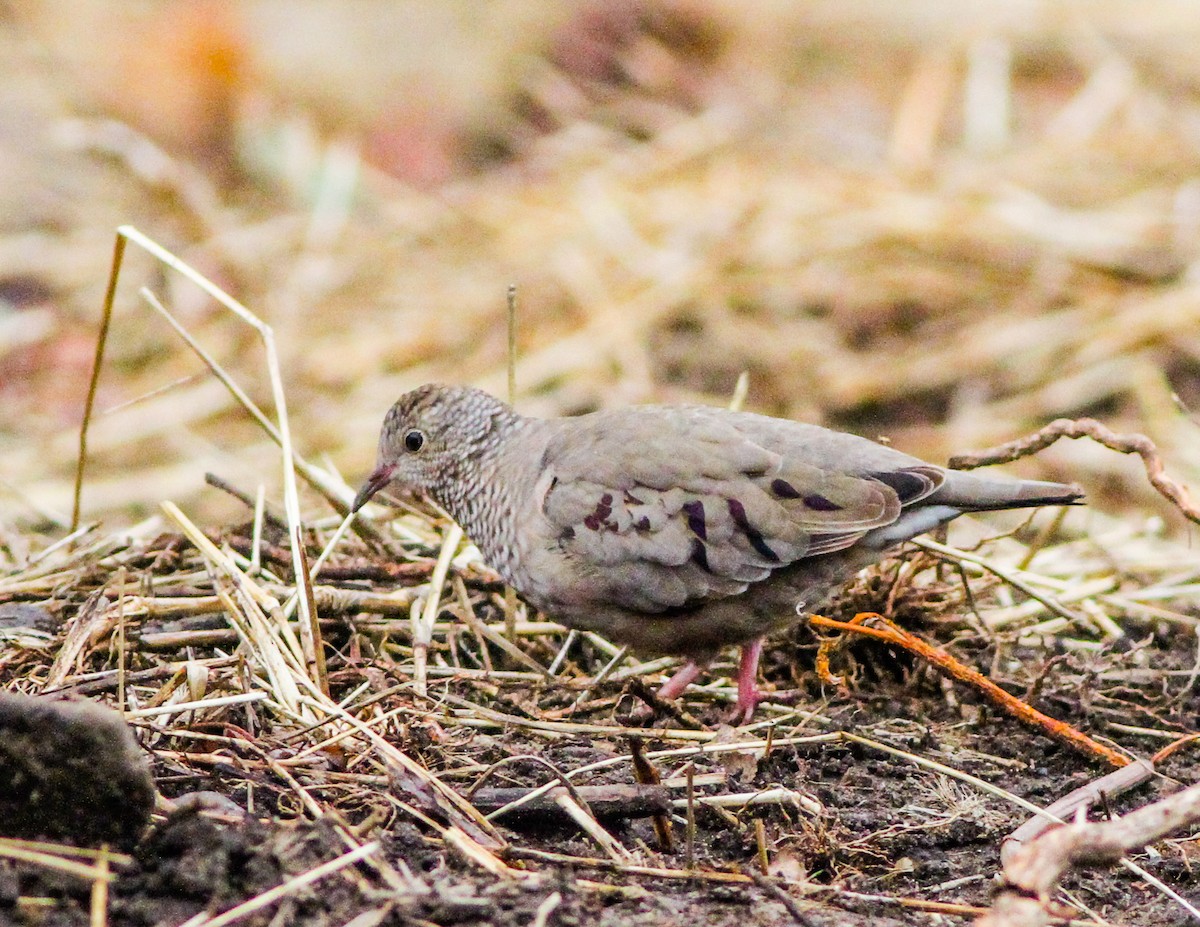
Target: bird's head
[432, 437]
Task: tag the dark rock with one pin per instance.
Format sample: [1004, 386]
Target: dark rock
[70, 771]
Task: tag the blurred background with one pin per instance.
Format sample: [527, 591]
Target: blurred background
[943, 223]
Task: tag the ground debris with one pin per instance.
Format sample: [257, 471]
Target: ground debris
[885, 785]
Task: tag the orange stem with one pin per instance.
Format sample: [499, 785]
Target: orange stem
[898, 637]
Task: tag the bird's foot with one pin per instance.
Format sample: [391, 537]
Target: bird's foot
[748, 694]
[677, 684]
[744, 709]
[659, 703]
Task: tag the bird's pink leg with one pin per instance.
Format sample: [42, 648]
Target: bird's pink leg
[674, 687]
[748, 694]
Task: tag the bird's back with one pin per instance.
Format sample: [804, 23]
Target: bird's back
[683, 527]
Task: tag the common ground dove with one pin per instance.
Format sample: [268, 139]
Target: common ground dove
[674, 529]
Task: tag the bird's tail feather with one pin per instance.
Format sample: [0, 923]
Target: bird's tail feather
[972, 493]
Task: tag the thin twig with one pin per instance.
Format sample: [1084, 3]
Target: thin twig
[690, 801]
[1107, 786]
[776, 891]
[646, 774]
[1138, 444]
[1032, 872]
[110, 292]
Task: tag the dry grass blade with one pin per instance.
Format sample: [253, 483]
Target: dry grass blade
[590, 826]
[58, 858]
[469, 849]
[176, 707]
[1009, 576]
[547, 908]
[612, 802]
[310, 631]
[499, 640]
[526, 799]
[93, 622]
[110, 293]
[775, 796]
[1016, 800]
[423, 625]
[270, 639]
[654, 872]
[99, 900]
[459, 807]
[335, 493]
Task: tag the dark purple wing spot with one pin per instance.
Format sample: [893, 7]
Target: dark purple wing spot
[644, 523]
[819, 503]
[784, 490]
[599, 518]
[695, 517]
[907, 484]
[737, 512]
[700, 555]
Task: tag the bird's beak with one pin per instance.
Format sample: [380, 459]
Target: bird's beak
[375, 482]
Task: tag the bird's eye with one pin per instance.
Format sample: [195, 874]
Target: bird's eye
[414, 441]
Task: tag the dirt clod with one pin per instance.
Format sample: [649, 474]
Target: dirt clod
[70, 771]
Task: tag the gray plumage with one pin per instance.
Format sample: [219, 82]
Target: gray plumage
[674, 529]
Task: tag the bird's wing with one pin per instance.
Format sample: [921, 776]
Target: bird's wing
[663, 509]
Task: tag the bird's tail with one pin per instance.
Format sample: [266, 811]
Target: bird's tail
[975, 493]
